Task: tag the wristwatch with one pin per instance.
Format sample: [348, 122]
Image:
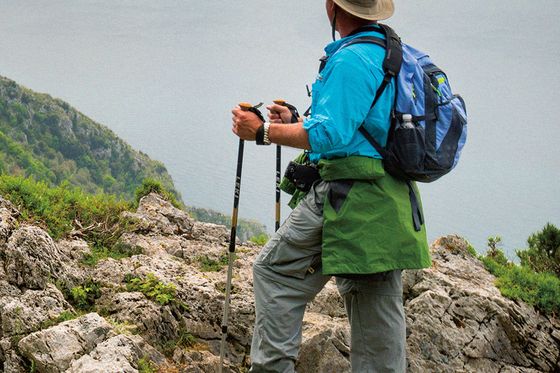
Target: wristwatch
[266, 139]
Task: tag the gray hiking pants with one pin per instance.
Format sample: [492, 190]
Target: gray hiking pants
[287, 275]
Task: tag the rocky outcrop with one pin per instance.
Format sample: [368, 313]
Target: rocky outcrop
[54, 349]
[25, 313]
[157, 216]
[32, 260]
[457, 321]
[119, 354]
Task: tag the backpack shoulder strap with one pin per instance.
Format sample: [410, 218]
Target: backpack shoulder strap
[391, 66]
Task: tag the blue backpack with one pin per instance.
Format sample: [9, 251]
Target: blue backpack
[431, 147]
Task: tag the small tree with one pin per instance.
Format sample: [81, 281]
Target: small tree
[494, 252]
[543, 254]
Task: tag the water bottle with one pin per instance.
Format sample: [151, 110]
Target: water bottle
[407, 121]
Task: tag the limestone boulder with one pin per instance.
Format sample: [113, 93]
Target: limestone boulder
[119, 354]
[196, 361]
[325, 346]
[155, 215]
[156, 323]
[74, 249]
[53, 350]
[32, 260]
[24, 314]
[211, 233]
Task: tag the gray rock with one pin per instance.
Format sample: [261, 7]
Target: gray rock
[14, 363]
[119, 354]
[157, 216]
[75, 249]
[154, 322]
[153, 244]
[32, 259]
[7, 289]
[328, 302]
[211, 233]
[54, 349]
[325, 346]
[200, 362]
[8, 222]
[26, 313]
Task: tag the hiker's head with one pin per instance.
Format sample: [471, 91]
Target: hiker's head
[344, 14]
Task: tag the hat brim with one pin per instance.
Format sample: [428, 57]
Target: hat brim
[384, 9]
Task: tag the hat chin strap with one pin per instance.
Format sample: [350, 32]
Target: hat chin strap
[333, 23]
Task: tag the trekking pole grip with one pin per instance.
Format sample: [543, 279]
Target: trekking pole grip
[292, 108]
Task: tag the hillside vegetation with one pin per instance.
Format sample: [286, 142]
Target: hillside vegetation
[45, 138]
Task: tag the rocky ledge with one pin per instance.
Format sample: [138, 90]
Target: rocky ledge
[161, 309]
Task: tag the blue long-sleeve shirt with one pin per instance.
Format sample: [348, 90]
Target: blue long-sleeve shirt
[342, 98]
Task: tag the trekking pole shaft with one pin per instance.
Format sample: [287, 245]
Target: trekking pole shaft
[278, 169]
[231, 253]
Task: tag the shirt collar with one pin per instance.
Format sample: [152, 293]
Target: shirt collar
[334, 46]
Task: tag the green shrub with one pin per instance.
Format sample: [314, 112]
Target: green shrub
[260, 240]
[145, 365]
[99, 253]
[543, 254]
[117, 251]
[472, 251]
[152, 288]
[207, 264]
[541, 290]
[63, 209]
[184, 339]
[84, 296]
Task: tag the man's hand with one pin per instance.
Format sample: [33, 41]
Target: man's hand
[279, 114]
[245, 124]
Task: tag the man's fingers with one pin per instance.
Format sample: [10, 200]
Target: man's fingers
[276, 108]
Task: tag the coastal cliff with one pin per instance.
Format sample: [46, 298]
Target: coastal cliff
[47, 139]
[160, 307]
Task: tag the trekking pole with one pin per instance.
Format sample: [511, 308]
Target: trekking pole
[295, 116]
[231, 252]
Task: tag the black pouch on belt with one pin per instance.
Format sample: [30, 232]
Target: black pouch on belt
[303, 176]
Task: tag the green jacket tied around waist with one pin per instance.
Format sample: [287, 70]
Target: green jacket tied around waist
[368, 225]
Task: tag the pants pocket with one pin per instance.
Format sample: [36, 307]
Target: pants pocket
[282, 257]
[296, 247]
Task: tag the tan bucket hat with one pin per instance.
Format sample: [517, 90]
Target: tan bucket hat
[373, 10]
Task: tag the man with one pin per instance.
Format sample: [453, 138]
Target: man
[354, 223]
